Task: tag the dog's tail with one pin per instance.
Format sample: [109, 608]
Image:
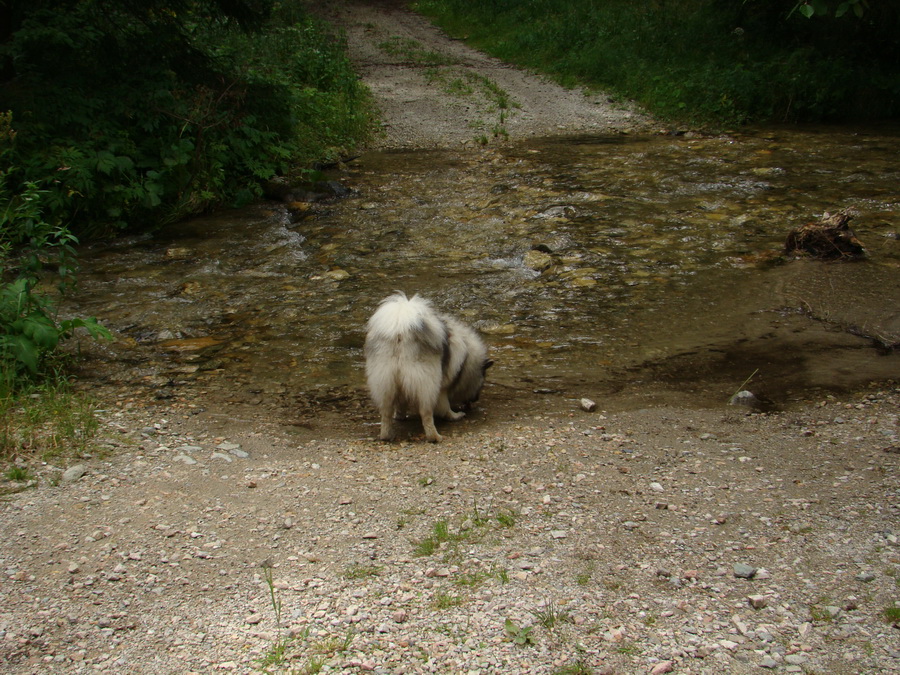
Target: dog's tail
[410, 323]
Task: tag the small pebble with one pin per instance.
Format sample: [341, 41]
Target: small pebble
[73, 473]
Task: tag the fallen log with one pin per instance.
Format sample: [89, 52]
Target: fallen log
[829, 239]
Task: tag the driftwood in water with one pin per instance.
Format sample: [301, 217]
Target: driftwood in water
[830, 238]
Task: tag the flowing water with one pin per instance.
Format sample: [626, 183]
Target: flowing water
[628, 270]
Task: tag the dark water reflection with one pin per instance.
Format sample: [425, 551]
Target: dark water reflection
[656, 270]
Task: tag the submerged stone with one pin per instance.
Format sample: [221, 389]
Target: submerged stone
[537, 260]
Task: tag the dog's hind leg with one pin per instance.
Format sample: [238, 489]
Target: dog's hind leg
[387, 423]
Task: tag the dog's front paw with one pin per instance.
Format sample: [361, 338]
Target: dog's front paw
[455, 416]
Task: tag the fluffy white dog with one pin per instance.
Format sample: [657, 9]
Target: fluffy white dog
[423, 362]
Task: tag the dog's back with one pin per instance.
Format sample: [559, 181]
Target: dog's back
[404, 350]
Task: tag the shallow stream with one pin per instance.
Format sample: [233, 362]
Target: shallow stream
[630, 270]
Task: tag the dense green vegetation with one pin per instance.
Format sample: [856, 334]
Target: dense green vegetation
[131, 113]
[127, 113]
[720, 62]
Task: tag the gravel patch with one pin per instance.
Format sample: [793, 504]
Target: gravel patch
[659, 540]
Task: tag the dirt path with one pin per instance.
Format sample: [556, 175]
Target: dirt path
[435, 91]
[651, 541]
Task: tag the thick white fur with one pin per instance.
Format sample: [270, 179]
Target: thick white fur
[421, 362]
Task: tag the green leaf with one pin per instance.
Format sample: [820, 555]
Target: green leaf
[91, 325]
[807, 10]
[106, 162]
[41, 330]
[23, 350]
[124, 163]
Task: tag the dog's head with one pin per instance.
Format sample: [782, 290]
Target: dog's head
[476, 392]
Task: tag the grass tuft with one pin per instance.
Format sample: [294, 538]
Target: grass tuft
[47, 422]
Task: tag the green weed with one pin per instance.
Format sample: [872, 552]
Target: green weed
[426, 547]
[577, 668]
[361, 571]
[413, 50]
[470, 579]
[18, 474]
[440, 533]
[477, 519]
[276, 654]
[506, 518]
[628, 648]
[472, 527]
[820, 613]
[455, 80]
[313, 666]
[550, 616]
[446, 601]
[891, 614]
[520, 635]
[336, 645]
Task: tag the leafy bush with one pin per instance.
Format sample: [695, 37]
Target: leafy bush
[136, 113]
[29, 328]
[29, 331]
[702, 60]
